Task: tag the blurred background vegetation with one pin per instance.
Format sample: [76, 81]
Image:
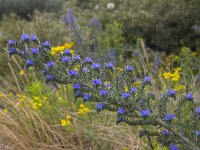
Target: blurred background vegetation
[156, 36]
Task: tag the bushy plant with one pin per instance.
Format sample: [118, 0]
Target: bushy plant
[164, 25]
[116, 90]
[94, 38]
[24, 8]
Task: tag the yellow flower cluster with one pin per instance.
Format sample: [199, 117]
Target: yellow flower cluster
[175, 76]
[37, 102]
[179, 87]
[61, 48]
[66, 121]
[20, 99]
[21, 72]
[83, 109]
[77, 67]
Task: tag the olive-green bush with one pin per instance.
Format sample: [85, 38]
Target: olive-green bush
[24, 8]
[164, 25]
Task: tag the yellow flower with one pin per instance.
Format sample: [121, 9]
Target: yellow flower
[86, 109]
[22, 73]
[35, 106]
[126, 88]
[82, 106]
[76, 67]
[194, 53]
[5, 110]
[61, 48]
[68, 117]
[80, 111]
[63, 122]
[179, 88]
[120, 69]
[166, 75]
[125, 148]
[137, 83]
[83, 109]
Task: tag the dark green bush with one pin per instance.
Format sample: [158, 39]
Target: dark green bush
[24, 8]
[164, 25]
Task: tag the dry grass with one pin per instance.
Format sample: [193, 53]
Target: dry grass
[25, 129]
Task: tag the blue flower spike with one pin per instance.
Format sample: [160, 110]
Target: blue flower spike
[11, 43]
[97, 82]
[129, 68]
[171, 93]
[147, 81]
[77, 86]
[173, 147]
[73, 73]
[88, 60]
[189, 96]
[25, 38]
[99, 106]
[121, 111]
[125, 95]
[169, 117]
[145, 113]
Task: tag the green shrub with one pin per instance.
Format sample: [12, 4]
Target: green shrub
[164, 25]
[27, 7]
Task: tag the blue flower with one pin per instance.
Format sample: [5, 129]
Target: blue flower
[173, 147]
[121, 111]
[165, 132]
[189, 96]
[125, 95]
[43, 71]
[77, 58]
[49, 64]
[109, 65]
[197, 110]
[171, 93]
[77, 86]
[96, 66]
[198, 133]
[73, 73]
[30, 62]
[103, 92]
[145, 113]
[107, 85]
[129, 68]
[169, 117]
[86, 96]
[24, 52]
[33, 37]
[25, 37]
[85, 70]
[147, 80]
[66, 59]
[97, 82]
[67, 52]
[99, 106]
[133, 90]
[11, 42]
[35, 50]
[79, 94]
[46, 44]
[49, 77]
[164, 95]
[88, 60]
[12, 50]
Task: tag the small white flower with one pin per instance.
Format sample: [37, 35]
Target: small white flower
[110, 6]
[96, 7]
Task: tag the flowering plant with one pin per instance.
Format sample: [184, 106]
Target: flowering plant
[136, 105]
